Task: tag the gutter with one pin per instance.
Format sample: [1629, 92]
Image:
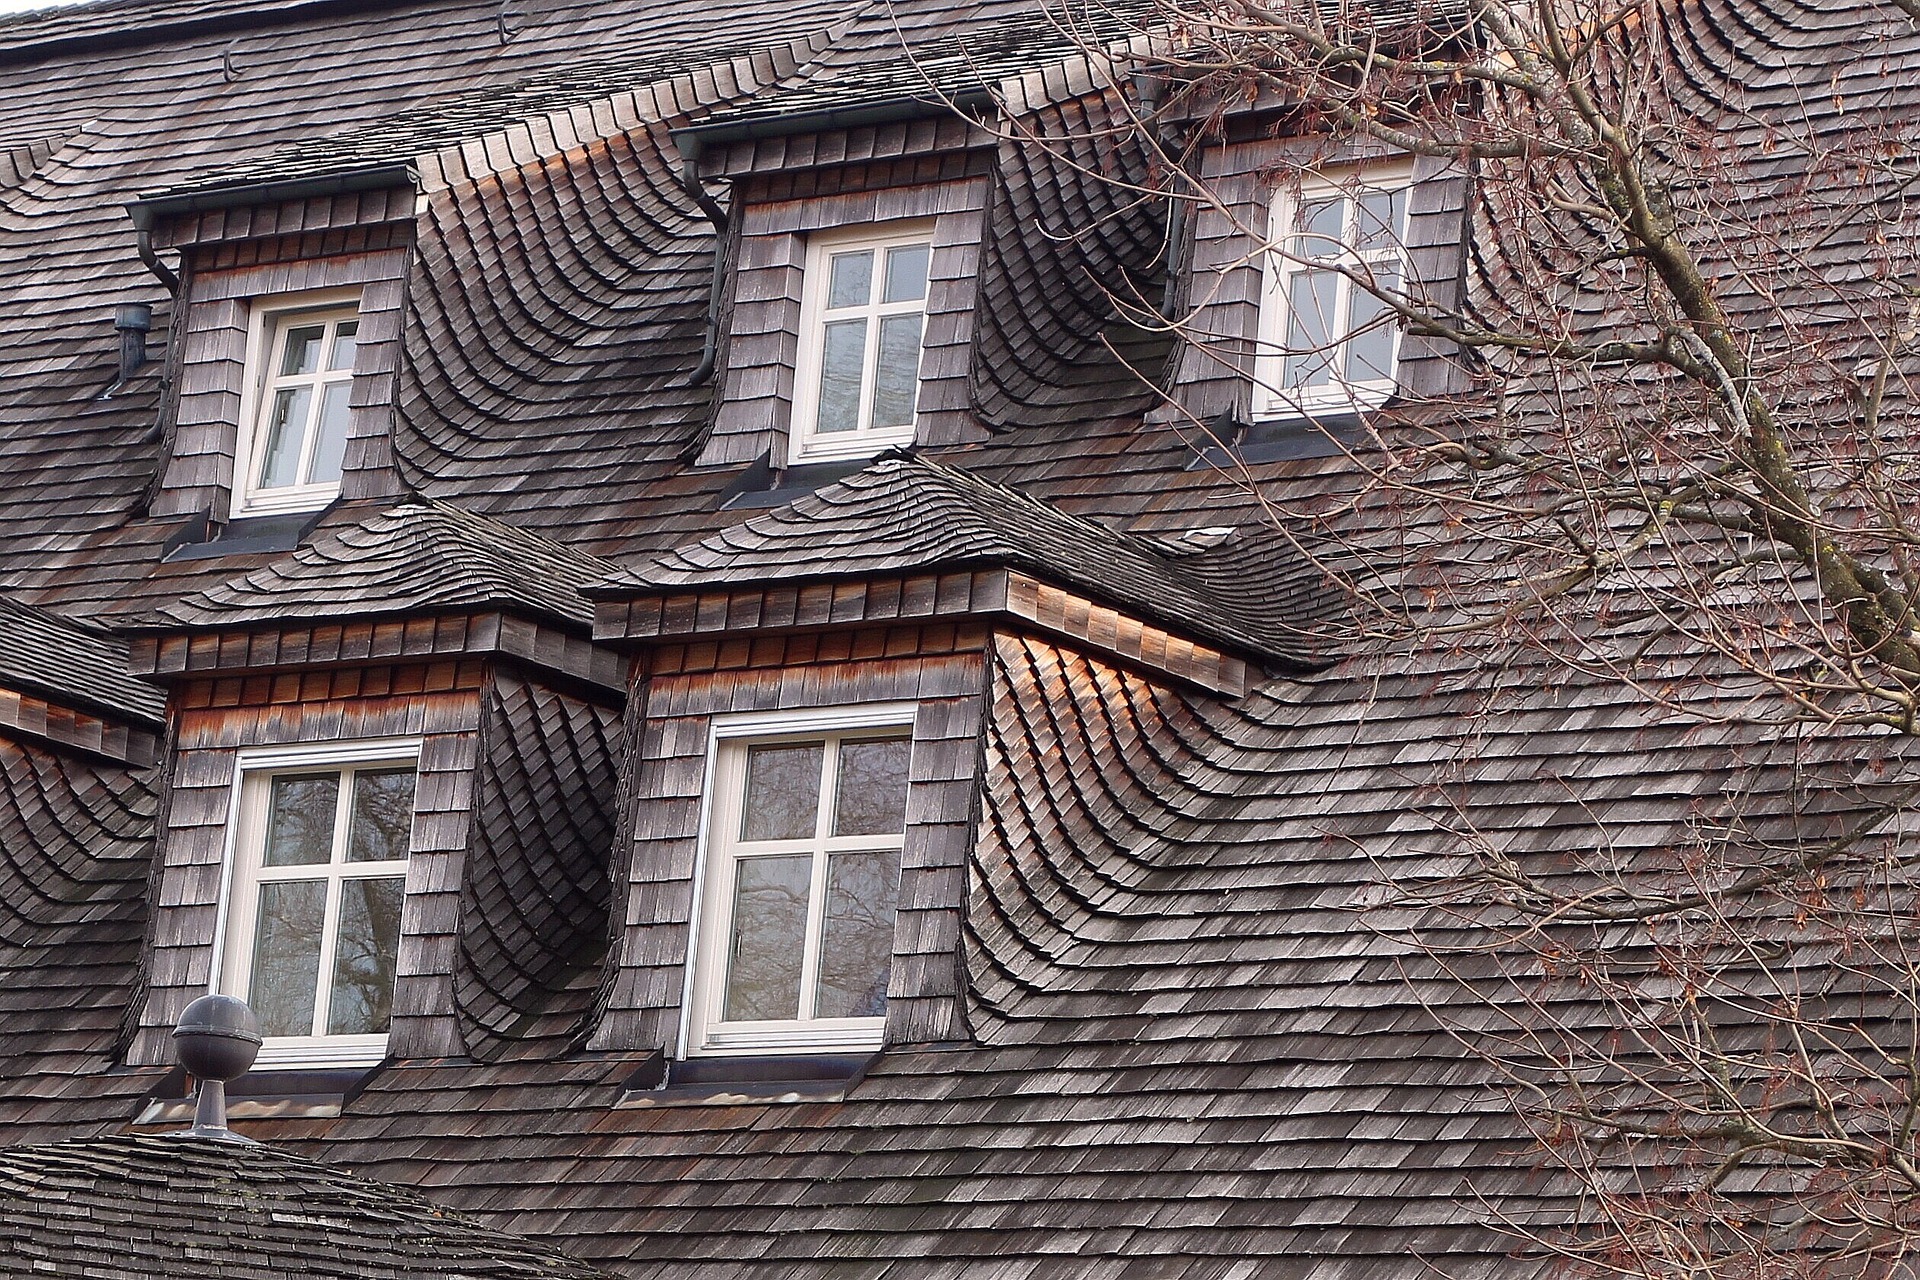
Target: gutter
[694, 140]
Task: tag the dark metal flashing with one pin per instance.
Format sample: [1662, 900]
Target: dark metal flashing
[732, 1081]
[149, 209]
[256, 535]
[763, 486]
[694, 140]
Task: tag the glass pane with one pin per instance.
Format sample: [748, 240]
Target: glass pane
[850, 282]
[871, 798]
[1380, 218]
[783, 791]
[1320, 226]
[340, 355]
[286, 428]
[363, 956]
[300, 813]
[769, 933]
[331, 446]
[382, 815]
[856, 947]
[906, 273]
[841, 363]
[300, 350]
[896, 385]
[1310, 315]
[286, 956]
[1370, 349]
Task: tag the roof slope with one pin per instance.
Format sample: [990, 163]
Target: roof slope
[421, 557]
[44, 654]
[163, 1208]
[906, 513]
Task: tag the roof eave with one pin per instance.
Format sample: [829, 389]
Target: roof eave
[693, 140]
[148, 210]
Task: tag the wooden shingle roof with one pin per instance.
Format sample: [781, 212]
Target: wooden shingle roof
[908, 513]
[164, 1208]
[420, 557]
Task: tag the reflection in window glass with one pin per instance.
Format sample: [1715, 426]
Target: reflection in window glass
[871, 795]
[860, 357]
[769, 932]
[318, 898]
[802, 931]
[856, 946]
[783, 792]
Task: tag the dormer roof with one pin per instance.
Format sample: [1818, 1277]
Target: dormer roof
[72, 666]
[906, 515]
[421, 557]
[424, 580]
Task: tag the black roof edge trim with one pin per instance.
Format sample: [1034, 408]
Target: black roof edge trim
[695, 139]
[148, 209]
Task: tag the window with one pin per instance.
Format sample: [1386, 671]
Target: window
[863, 308]
[801, 877]
[311, 920]
[301, 376]
[1326, 342]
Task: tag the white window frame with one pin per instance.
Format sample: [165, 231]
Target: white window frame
[804, 442]
[1271, 399]
[703, 1033]
[268, 318]
[242, 876]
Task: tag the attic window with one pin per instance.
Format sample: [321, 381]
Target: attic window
[294, 421]
[863, 310]
[311, 920]
[1328, 343]
[800, 882]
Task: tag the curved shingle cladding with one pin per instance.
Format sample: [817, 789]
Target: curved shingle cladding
[1202, 1040]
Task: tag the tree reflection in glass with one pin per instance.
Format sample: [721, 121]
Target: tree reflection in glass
[769, 937]
[856, 945]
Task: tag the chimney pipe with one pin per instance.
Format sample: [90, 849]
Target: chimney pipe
[133, 320]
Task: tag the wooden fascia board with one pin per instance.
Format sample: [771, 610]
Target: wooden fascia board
[989, 594]
[168, 655]
[23, 715]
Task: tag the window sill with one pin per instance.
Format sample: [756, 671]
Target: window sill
[1282, 440]
[741, 1081]
[255, 535]
[261, 1095]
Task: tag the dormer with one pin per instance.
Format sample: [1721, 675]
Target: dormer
[847, 286]
[810, 687]
[1292, 342]
[367, 736]
[286, 342]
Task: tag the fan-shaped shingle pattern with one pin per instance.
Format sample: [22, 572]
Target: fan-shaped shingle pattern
[419, 557]
[1199, 1048]
[533, 910]
[910, 513]
[76, 842]
[131, 1208]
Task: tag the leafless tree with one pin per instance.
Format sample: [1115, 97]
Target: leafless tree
[1683, 470]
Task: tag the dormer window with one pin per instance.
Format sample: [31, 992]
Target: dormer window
[294, 430]
[311, 918]
[800, 881]
[1328, 344]
[863, 310]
